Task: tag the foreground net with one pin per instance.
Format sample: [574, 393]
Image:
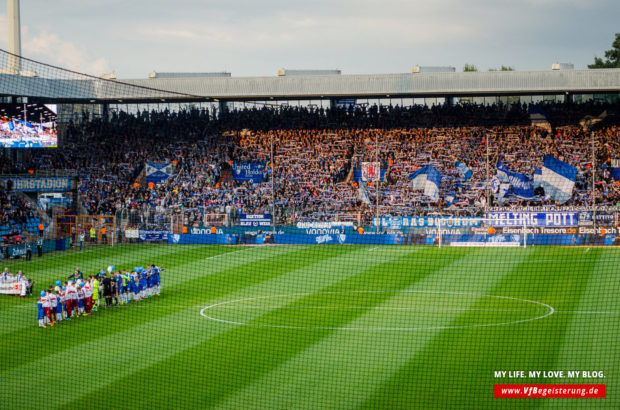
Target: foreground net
[373, 322]
[23, 77]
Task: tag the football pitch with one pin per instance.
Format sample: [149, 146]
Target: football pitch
[321, 326]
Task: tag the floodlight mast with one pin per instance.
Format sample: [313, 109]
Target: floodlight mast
[15, 39]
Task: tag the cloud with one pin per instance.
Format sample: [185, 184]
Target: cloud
[40, 44]
[51, 49]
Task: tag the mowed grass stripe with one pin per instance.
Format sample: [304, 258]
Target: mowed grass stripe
[110, 321]
[591, 341]
[219, 366]
[308, 276]
[457, 367]
[345, 368]
[143, 340]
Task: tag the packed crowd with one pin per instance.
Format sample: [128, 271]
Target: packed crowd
[316, 153]
[77, 296]
[20, 134]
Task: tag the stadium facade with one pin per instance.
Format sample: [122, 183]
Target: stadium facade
[564, 83]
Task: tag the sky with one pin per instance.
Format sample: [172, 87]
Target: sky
[257, 38]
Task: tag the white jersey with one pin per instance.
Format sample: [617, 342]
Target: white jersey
[45, 301]
[53, 300]
[88, 289]
[71, 293]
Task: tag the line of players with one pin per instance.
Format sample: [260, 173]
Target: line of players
[83, 297]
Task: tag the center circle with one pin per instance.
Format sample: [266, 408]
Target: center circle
[377, 310]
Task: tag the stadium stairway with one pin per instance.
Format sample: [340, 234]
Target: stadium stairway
[350, 175]
[33, 205]
[225, 177]
[141, 178]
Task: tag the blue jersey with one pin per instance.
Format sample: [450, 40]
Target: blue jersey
[156, 274]
[58, 305]
[143, 281]
[147, 275]
[40, 312]
[119, 283]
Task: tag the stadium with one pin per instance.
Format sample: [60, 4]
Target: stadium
[313, 239]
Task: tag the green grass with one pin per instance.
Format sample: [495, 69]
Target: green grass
[320, 327]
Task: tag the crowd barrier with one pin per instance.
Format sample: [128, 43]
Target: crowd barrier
[389, 239]
[17, 251]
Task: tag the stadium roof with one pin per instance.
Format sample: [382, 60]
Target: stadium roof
[92, 89]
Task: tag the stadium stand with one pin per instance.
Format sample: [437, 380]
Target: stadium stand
[312, 165]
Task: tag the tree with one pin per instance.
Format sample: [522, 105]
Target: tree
[504, 68]
[612, 57]
[469, 68]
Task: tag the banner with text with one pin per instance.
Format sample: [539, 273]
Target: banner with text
[158, 173]
[248, 171]
[148, 236]
[255, 219]
[400, 222]
[11, 288]
[37, 184]
[533, 219]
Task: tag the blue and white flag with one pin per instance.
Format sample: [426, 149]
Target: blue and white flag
[362, 194]
[158, 173]
[450, 198]
[520, 184]
[558, 179]
[428, 179]
[537, 177]
[464, 170]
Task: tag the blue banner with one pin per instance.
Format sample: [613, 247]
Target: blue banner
[532, 219]
[148, 236]
[288, 239]
[309, 228]
[355, 239]
[520, 184]
[248, 171]
[425, 222]
[586, 218]
[615, 169]
[255, 220]
[38, 184]
[158, 173]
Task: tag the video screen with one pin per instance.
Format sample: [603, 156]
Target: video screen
[28, 126]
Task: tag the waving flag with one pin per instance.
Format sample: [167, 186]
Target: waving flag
[537, 177]
[558, 179]
[362, 194]
[520, 184]
[158, 173]
[371, 171]
[464, 170]
[427, 179]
